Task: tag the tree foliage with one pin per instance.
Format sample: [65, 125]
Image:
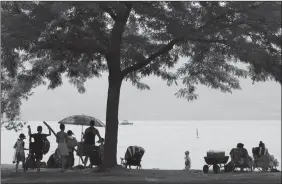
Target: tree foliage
[42, 41]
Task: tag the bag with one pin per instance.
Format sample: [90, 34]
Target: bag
[46, 146]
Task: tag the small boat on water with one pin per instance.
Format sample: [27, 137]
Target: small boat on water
[125, 122]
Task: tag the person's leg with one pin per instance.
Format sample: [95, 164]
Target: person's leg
[69, 161]
[63, 162]
[72, 159]
[17, 165]
[38, 164]
[38, 159]
[85, 160]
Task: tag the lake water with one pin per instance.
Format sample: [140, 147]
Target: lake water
[166, 142]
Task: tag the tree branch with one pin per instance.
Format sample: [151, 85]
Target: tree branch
[145, 62]
[170, 45]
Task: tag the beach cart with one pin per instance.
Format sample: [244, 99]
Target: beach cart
[216, 159]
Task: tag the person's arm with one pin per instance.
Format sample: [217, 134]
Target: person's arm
[84, 134]
[98, 134]
[29, 131]
[57, 138]
[75, 141]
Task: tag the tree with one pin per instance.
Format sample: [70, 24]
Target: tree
[131, 40]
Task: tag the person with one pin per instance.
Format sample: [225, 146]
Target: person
[262, 149]
[71, 143]
[89, 141]
[61, 139]
[54, 160]
[187, 161]
[19, 151]
[38, 144]
[240, 156]
[101, 147]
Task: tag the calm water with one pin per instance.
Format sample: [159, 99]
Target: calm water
[166, 142]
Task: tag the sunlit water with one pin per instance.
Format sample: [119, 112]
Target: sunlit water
[166, 142]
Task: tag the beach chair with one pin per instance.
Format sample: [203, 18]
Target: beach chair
[133, 157]
[240, 159]
[263, 161]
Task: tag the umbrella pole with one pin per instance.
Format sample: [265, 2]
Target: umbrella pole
[81, 141]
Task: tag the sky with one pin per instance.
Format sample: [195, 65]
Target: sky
[261, 101]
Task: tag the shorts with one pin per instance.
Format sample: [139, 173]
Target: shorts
[38, 154]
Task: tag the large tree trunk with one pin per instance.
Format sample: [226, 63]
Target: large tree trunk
[111, 133]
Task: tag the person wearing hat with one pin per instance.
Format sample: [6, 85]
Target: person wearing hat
[71, 144]
[19, 155]
[89, 141]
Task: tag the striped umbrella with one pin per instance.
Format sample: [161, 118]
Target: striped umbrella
[82, 120]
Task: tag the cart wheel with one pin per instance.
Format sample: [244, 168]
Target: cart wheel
[206, 169]
[216, 169]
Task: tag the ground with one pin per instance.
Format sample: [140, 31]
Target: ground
[54, 176]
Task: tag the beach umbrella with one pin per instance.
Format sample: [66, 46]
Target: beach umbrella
[82, 120]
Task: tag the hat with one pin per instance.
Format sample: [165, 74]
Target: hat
[22, 136]
[69, 132]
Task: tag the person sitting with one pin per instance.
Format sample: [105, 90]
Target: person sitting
[262, 149]
[71, 144]
[239, 156]
[262, 157]
[54, 160]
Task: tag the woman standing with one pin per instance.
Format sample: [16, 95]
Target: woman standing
[19, 151]
[62, 145]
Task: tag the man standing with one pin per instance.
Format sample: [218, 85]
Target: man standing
[89, 141]
[71, 143]
[38, 144]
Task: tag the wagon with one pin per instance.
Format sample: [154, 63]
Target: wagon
[217, 163]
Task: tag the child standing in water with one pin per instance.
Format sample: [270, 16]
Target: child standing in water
[19, 151]
[187, 161]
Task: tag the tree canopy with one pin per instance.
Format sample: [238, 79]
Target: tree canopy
[42, 41]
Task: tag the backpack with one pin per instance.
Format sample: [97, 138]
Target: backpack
[46, 146]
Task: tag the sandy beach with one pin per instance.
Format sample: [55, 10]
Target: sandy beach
[52, 176]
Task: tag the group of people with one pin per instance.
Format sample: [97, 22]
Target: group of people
[242, 157]
[66, 145]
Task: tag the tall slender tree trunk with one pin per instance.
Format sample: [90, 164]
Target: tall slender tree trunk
[111, 133]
